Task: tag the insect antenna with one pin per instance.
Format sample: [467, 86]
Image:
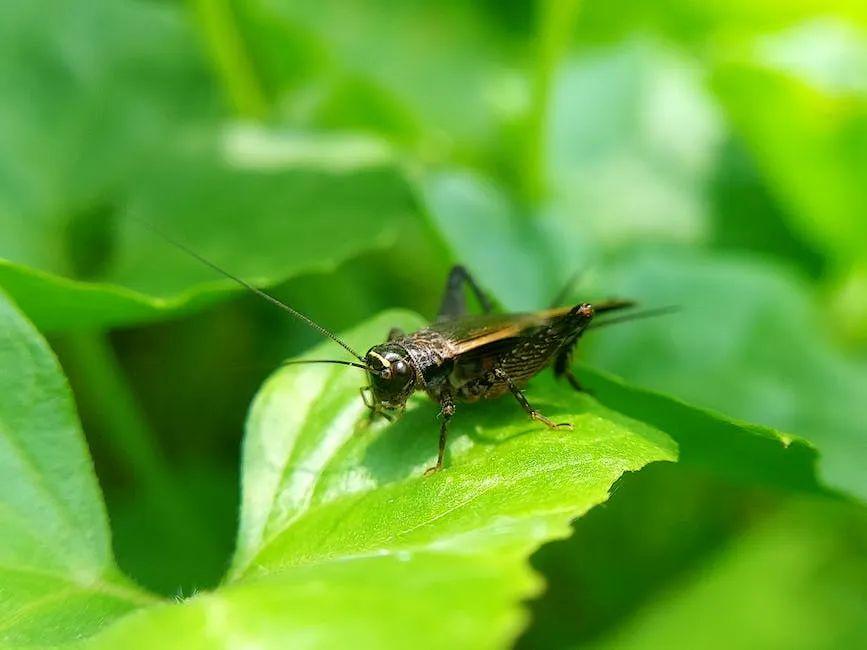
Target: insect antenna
[639, 315]
[259, 292]
[295, 362]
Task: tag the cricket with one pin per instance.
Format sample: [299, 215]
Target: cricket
[461, 358]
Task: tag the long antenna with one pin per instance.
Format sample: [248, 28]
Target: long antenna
[259, 292]
[295, 362]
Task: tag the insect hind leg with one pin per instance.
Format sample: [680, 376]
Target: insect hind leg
[500, 375]
[454, 302]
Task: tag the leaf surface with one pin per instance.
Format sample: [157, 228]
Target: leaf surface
[58, 580]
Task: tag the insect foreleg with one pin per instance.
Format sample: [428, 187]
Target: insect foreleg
[447, 410]
[500, 375]
[454, 301]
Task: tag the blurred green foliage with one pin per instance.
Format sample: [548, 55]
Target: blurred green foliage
[709, 155]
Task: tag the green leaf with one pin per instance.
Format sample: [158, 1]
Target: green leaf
[747, 341]
[58, 578]
[341, 538]
[437, 78]
[265, 226]
[810, 145]
[709, 441]
[332, 510]
[262, 202]
[697, 24]
[793, 581]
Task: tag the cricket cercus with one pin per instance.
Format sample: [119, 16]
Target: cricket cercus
[461, 357]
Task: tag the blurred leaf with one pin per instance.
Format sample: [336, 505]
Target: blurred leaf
[261, 202]
[812, 147]
[263, 227]
[90, 88]
[737, 451]
[631, 139]
[748, 341]
[697, 23]
[434, 76]
[795, 581]
[747, 216]
[659, 525]
[618, 169]
[489, 235]
[59, 581]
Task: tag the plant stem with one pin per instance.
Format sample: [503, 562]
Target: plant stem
[555, 19]
[233, 63]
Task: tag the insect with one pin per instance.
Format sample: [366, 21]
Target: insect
[462, 358]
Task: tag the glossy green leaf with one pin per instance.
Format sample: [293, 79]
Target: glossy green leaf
[58, 581]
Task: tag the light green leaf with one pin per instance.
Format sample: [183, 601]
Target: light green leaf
[58, 581]
[697, 24]
[436, 77]
[809, 144]
[332, 510]
[630, 141]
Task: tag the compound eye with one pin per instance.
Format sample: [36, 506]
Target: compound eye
[400, 368]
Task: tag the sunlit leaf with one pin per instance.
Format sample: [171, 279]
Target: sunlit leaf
[58, 581]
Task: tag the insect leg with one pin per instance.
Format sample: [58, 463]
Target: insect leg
[500, 375]
[447, 410]
[454, 301]
[563, 367]
[561, 296]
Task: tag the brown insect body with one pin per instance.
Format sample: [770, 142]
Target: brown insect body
[463, 358]
[460, 357]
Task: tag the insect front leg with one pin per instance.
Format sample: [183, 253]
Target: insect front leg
[454, 301]
[501, 376]
[447, 410]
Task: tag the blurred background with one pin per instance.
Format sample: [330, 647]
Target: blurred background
[711, 155]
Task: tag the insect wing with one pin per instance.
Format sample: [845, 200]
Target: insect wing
[470, 333]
